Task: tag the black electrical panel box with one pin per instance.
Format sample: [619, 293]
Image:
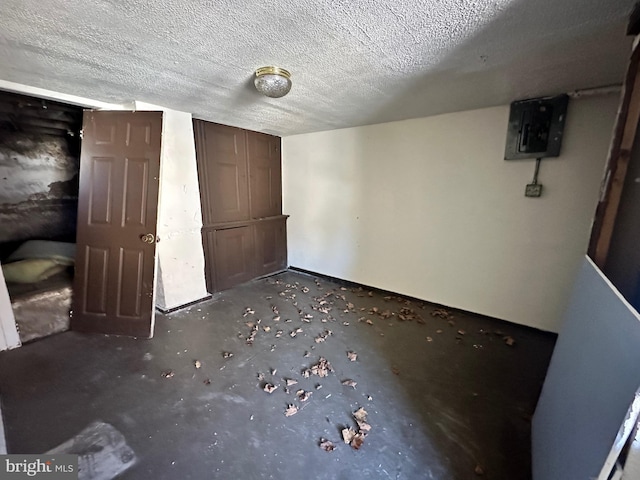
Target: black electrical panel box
[536, 127]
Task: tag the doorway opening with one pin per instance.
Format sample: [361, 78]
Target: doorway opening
[39, 171]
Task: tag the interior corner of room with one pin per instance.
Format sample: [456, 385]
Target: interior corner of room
[115, 208]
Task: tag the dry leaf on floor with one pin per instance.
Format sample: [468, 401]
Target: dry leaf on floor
[303, 396]
[227, 354]
[306, 355]
[279, 333]
[429, 339]
[197, 364]
[509, 341]
[291, 410]
[323, 336]
[461, 332]
[348, 434]
[322, 368]
[438, 331]
[207, 381]
[168, 374]
[274, 371]
[290, 381]
[369, 322]
[295, 332]
[305, 289]
[270, 388]
[360, 414]
[357, 441]
[479, 470]
[349, 383]
[260, 376]
[326, 445]
[276, 318]
[248, 311]
[395, 371]
[275, 310]
[266, 328]
[353, 356]
[363, 426]
[306, 373]
[442, 313]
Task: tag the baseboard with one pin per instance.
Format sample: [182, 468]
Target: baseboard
[180, 307]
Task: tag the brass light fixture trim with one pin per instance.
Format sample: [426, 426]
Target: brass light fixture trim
[274, 82]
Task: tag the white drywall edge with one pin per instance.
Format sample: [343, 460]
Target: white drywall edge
[3, 441]
[591, 381]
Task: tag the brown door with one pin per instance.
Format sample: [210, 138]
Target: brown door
[234, 257]
[222, 170]
[271, 246]
[117, 210]
[263, 152]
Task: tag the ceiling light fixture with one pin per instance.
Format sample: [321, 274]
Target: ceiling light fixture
[273, 82]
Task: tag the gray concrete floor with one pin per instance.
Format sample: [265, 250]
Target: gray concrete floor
[438, 409]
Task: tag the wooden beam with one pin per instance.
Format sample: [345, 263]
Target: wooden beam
[618, 161]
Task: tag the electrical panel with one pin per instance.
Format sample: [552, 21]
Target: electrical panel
[536, 127]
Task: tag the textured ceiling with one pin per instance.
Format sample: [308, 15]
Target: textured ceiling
[352, 62]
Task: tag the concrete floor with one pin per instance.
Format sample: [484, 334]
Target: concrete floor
[438, 409]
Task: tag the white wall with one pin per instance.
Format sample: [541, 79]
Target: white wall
[180, 275]
[9, 337]
[429, 208]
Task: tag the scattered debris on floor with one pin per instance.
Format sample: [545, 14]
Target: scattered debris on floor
[327, 445]
[322, 368]
[291, 410]
[323, 336]
[441, 313]
[479, 470]
[303, 395]
[325, 304]
[270, 388]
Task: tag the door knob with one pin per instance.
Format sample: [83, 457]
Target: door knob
[148, 238]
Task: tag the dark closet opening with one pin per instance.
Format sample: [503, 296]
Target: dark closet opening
[39, 167]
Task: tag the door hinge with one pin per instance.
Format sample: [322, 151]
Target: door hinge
[81, 133]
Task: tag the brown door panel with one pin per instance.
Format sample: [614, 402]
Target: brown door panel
[271, 246]
[222, 168]
[118, 201]
[265, 177]
[234, 257]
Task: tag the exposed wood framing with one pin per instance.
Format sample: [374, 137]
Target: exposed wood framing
[617, 164]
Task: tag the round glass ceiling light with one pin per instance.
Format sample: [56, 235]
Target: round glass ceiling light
[273, 82]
